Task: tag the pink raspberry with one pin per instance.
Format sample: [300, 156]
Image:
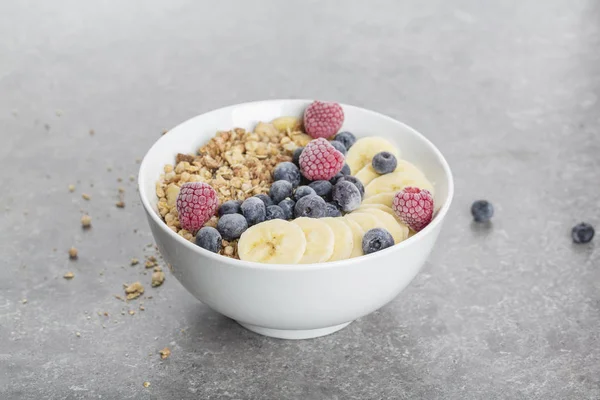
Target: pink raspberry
[196, 203]
[320, 160]
[323, 120]
[414, 207]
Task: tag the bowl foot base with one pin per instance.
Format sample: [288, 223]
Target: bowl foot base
[294, 334]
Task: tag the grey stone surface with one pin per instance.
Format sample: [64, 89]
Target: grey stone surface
[507, 90]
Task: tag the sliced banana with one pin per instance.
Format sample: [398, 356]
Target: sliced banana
[284, 123]
[343, 238]
[272, 242]
[398, 231]
[367, 174]
[319, 240]
[381, 207]
[386, 199]
[357, 235]
[397, 181]
[362, 152]
[364, 220]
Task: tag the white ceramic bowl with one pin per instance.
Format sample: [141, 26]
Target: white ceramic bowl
[294, 301]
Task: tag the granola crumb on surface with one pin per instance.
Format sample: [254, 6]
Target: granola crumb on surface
[71, 188]
[120, 204]
[165, 353]
[158, 277]
[86, 196]
[73, 253]
[86, 221]
[238, 164]
[146, 384]
[134, 261]
[69, 275]
[134, 290]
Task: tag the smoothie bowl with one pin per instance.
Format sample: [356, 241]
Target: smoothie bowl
[294, 217]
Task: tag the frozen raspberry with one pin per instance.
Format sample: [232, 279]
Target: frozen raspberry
[320, 160]
[196, 203]
[323, 120]
[414, 206]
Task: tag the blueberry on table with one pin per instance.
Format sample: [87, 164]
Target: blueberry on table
[296, 155]
[287, 206]
[582, 233]
[254, 210]
[302, 191]
[231, 226]
[280, 190]
[339, 146]
[482, 210]
[265, 199]
[384, 162]
[333, 210]
[311, 206]
[376, 239]
[321, 188]
[346, 138]
[230, 207]
[209, 238]
[274, 212]
[346, 195]
[353, 180]
[287, 171]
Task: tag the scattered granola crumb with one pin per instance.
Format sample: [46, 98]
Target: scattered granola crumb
[86, 221]
[131, 312]
[134, 290]
[119, 297]
[135, 261]
[92, 132]
[105, 313]
[71, 188]
[165, 353]
[77, 334]
[146, 384]
[131, 178]
[69, 275]
[158, 277]
[165, 131]
[24, 301]
[120, 204]
[121, 189]
[151, 262]
[73, 253]
[142, 308]
[86, 196]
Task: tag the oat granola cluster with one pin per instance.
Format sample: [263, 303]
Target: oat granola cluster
[238, 164]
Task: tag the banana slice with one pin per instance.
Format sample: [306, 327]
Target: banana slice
[362, 152]
[343, 239]
[364, 220]
[398, 231]
[368, 173]
[272, 242]
[385, 199]
[319, 240]
[284, 123]
[357, 235]
[381, 207]
[397, 181]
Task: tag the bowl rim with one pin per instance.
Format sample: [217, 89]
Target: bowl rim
[367, 258]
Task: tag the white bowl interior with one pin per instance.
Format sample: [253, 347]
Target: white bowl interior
[190, 135]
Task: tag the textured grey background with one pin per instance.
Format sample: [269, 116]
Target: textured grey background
[507, 90]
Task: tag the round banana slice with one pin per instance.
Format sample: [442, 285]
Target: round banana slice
[368, 173]
[284, 123]
[364, 220]
[386, 199]
[272, 242]
[319, 240]
[397, 181]
[362, 152]
[398, 231]
[357, 235]
[343, 239]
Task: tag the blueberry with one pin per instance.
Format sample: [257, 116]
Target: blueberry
[482, 210]
[296, 156]
[333, 210]
[376, 239]
[280, 190]
[355, 182]
[287, 206]
[254, 210]
[337, 176]
[346, 138]
[322, 188]
[265, 199]
[274, 212]
[582, 233]
[345, 170]
[311, 206]
[339, 146]
[231, 226]
[287, 171]
[230, 207]
[346, 195]
[302, 191]
[384, 162]
[209, 238]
